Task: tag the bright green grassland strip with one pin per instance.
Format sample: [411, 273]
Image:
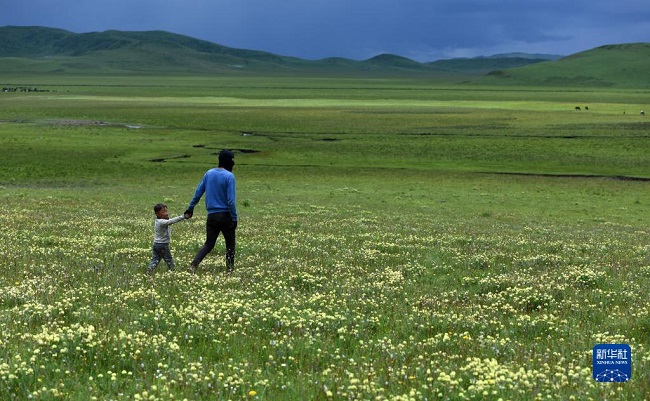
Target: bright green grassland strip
[323, 102]
[384, 251]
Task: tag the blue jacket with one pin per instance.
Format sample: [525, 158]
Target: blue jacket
[218, 184]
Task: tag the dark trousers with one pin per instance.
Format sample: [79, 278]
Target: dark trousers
[160, 251]
[216, 223]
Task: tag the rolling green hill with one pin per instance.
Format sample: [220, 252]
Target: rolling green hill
[623, 65]
[41, 50]
[38, 49]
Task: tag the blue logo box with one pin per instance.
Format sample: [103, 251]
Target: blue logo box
[612, 363]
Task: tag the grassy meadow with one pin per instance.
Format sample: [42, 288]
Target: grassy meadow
[398, 240]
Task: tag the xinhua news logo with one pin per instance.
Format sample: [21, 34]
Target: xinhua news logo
[612, 363]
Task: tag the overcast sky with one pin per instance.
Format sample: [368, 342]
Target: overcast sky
[423, 30]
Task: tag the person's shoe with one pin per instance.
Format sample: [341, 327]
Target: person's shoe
[149, 272]
[192, 269]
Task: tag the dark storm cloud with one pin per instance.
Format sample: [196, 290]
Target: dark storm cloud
[424, 30]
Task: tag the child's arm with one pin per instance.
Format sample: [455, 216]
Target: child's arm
[171, 221]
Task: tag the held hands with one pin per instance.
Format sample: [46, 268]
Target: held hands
[189, 213]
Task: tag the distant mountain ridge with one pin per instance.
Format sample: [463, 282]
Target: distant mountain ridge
[540, 56]
[50, 50]
[192, 54]
[22, 41]
[41, 42]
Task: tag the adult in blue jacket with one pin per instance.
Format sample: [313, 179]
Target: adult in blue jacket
[218, 185]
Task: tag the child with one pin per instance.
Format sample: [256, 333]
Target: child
[162, 236]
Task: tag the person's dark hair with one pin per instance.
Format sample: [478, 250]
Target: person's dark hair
[226, 159]
[158, 207]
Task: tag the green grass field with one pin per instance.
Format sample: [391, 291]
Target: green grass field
[398, 239]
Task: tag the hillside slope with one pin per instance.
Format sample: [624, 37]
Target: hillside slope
[57, 50]
[623, 65]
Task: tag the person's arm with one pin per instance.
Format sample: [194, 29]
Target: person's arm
[200, 190]
[232, 197]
